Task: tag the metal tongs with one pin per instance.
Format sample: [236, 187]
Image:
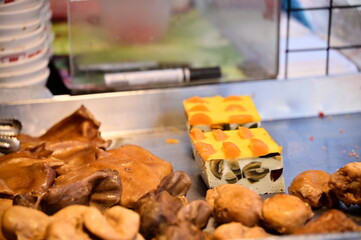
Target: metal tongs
[9, 129]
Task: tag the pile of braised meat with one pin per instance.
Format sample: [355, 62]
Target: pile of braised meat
[69, 164]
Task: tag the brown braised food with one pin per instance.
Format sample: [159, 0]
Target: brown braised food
[235, 203]
[285, 213]
[69, 165]
[346, 183]
[312, 187]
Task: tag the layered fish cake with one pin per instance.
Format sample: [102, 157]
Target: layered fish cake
[249, 157]
[225, 113]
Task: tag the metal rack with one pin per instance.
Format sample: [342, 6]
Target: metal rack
[290, 8]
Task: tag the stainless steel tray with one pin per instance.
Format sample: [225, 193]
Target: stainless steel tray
[291, 111]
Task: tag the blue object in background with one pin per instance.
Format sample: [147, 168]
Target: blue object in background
[299, 15]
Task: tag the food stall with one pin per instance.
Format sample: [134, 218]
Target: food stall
[304, 82]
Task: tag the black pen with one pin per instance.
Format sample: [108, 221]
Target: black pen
[174, 75]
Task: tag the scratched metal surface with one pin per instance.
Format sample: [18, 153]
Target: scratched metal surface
[308, 143]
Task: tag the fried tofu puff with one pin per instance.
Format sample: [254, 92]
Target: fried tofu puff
[312, 187]
[235, 203]
[285, 213]
[331, 221]
[346, 183]
[236, 230]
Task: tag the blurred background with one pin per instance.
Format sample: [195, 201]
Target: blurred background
[92, 41]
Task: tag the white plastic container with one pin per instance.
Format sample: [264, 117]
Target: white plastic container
[7, 43]
[22, 53]
[20, 16]
[23, 76]
[14, 30]
[32, 89]
[18, 5]
[25, 63]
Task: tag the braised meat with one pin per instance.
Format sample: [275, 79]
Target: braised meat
[235, 203]
[81, 126]
[27, 175]
[285, 213]
[88, 186]
[312, 187]
[346, 183]
[331, 221]
[74, 222]
[24, 223]
[140, 170]
[237, 230]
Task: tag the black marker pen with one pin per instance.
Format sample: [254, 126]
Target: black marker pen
[176, 75]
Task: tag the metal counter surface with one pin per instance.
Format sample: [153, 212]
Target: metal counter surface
[308, 143]
[318, 143]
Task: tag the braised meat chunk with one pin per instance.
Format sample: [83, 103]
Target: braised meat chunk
[332, 221]
[140, 171]
[312, 187]
[21, 175]
[80, 126]
[235, 203]
[100, 188]
[236, 230]
[346, 183]
[285, 213]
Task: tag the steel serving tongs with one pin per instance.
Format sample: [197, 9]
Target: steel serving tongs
[9, 129]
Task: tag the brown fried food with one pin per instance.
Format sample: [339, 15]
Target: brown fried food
[68, 223]
[346, 183]
[22, 175]
[196, 212]
[312, 187]
[24, 223]
[140, 170]
[177, 184]
[157, 210]
[236, 230]
[285, 213]
[80, 126]
[236, 203]
[180, 231]
[4, 204]
[99, 188]
[331, 221]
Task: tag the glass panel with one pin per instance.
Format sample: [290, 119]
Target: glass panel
[306, 64]
[346, 27]
[240, 37]
[310, 3]
[346, 2]
[340, 64]
[303, 35]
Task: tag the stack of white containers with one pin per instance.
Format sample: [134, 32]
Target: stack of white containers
[25, 46]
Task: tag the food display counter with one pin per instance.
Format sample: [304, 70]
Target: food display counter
[316, 121]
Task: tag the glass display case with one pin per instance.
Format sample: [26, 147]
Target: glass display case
[139, 44]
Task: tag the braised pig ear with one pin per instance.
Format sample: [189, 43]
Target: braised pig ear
[32, 176]
[64, 230]
[87, 186]
[24, 223]
[177, 184]
[110, 225]
[125, 221]
[80, 126]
